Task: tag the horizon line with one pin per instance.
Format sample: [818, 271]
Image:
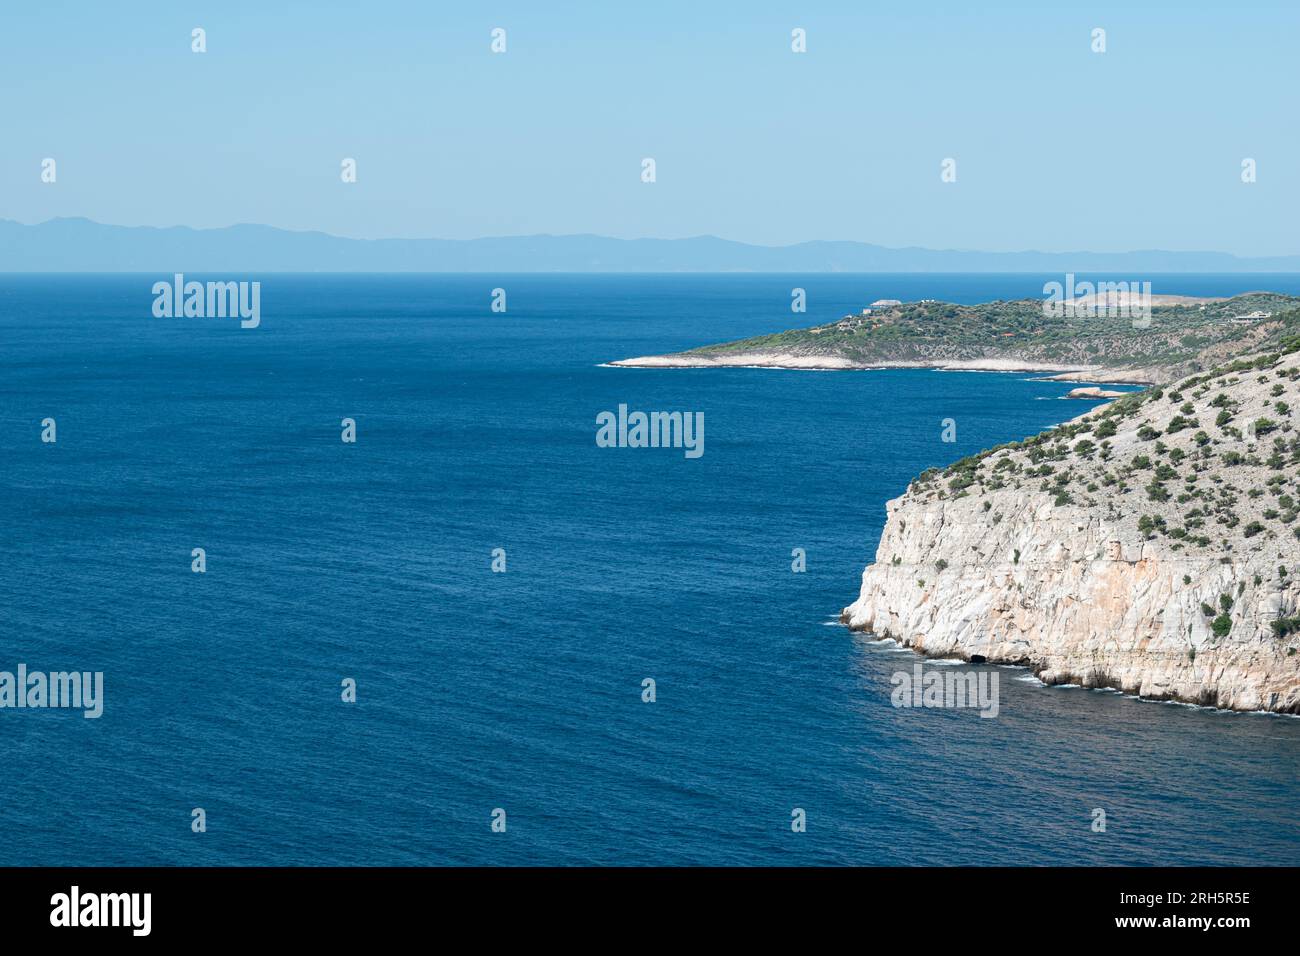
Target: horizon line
[662, 239]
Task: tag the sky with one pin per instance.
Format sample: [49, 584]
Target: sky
[1057, 148]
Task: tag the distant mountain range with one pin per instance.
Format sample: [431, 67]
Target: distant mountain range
[80, 245]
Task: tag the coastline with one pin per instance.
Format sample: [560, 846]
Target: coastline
[1056, 677]
[1055, 681]
[789, 361]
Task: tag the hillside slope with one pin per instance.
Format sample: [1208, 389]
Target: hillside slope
[1178, 338]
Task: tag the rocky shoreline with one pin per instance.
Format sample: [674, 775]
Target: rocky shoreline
[1127, 623]
[778, 360]
[1076, 554]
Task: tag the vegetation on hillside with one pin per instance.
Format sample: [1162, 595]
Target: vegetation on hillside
[1179, 339]
[1210, 463]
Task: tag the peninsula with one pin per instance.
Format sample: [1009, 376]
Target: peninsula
[1181, 335]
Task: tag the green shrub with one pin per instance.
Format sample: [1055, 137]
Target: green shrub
[1284, 626]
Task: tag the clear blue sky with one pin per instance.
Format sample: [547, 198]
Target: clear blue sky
[1057, 148]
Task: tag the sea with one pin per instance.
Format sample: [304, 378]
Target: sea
[560, 653]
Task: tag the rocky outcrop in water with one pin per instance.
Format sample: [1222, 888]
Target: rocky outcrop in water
[1150, 546]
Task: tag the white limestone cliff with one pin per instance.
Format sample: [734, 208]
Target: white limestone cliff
[1010, 564]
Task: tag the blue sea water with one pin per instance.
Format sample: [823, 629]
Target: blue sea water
[522, 690]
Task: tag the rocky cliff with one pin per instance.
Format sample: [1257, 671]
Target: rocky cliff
[1150, 546]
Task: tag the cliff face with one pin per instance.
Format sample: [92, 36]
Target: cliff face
[1114, 551]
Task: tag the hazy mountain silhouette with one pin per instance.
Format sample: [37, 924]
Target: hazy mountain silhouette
[80, 245]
